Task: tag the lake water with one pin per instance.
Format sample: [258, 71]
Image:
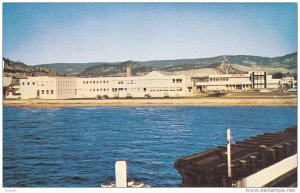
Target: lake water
[78, 146]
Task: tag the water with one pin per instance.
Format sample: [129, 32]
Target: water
[78, 146]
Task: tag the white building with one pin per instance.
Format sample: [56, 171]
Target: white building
[289, 81]
[44, 87]
[154, 84]
[233, 82]
[226, 82]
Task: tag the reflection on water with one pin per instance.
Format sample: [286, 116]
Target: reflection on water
[69, 147]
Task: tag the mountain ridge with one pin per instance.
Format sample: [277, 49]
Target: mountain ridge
[288, 61]
[217, 64]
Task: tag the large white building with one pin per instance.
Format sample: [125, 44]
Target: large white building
[154, 84]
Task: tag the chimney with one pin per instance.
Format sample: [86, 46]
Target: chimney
[128, 72]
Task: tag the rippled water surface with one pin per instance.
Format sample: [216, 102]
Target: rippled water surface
[78, 147]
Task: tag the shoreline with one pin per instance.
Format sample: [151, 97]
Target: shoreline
[220, 101]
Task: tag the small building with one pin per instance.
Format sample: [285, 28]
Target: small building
[289, 82]
[234, 82]
[225, 82]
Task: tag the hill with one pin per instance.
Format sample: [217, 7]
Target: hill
[19, 69]
[118, 69]
[72, 68]
[287, 63]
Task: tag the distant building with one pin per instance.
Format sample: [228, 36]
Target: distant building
[226, 82]
[234, 82]
[11, 88]
[7, 81]
[289, 82]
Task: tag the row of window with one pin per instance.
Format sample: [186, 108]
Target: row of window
[242, 85]
[124, 81]
[44, 92]
[166, 89]
[100, 89]
[159, 89]
[127, 81]
[66, 91]
[218, 79]
[95, 82]
[177, 80]
[39, 83]
[73, 83]
[138, 89]
[66, 83]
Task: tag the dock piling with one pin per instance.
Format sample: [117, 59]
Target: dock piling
[121, 174]
[229, 153]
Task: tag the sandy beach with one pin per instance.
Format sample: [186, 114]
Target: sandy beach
[218, 101]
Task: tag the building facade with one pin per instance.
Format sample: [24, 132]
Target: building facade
[227, 82]
[44, 87]
[235, 82]
[153, 84]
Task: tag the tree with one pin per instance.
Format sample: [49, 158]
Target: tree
[277, 75]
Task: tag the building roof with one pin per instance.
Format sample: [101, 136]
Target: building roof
[155, 73]
[160, 73]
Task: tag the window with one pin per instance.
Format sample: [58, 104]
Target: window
[33, 83]
[97, 89]
[83, 82]
[104, 89]
[93, 89]
[23, 83]
[28, 83]
[100, 82]
[179, 80]
[87, 82]
[173, 80]
[145, 89]
[94, 82]
[42, 91]
[52, 92]
[91, 82]
[47, 91]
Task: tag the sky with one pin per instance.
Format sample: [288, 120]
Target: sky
[39, 33]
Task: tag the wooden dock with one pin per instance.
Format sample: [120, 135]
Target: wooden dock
[267, 160]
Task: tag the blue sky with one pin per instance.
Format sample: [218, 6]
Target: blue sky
[37, 33]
